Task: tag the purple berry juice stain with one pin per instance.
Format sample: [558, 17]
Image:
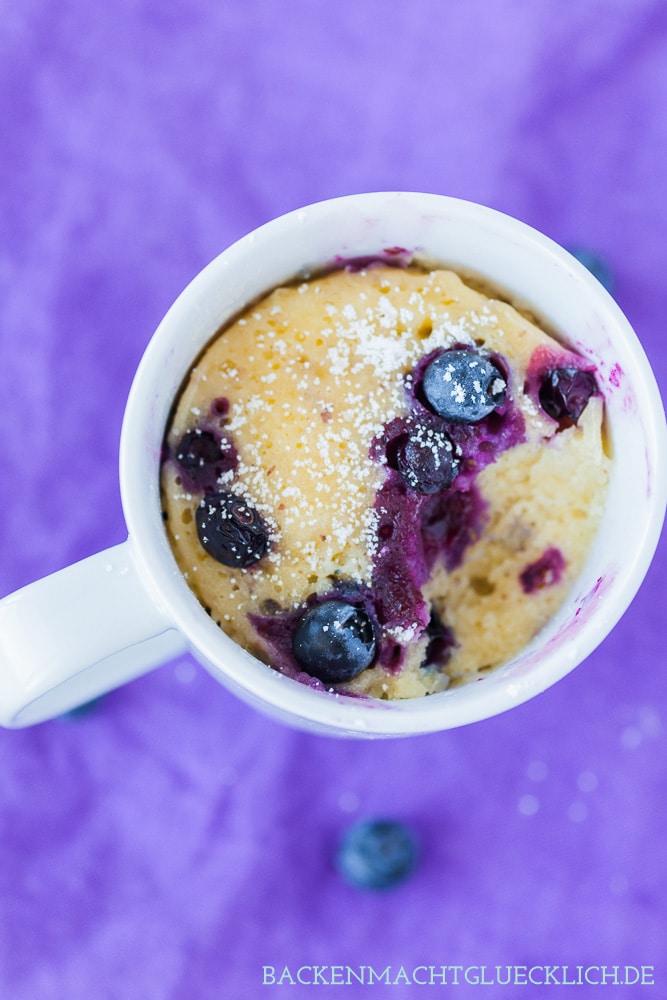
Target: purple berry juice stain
[544, 572]
[397, 257]
[414, 530]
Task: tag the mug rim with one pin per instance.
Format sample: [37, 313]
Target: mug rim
[262, 685]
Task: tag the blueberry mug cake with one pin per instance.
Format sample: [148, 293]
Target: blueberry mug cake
[384, 480]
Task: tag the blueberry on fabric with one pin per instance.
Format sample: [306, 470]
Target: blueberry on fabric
[596, 265]
[377, 854]
[564, 393]
[230, 530]
[81, 711]
[426, 459]
[463, 386]
[334, 641]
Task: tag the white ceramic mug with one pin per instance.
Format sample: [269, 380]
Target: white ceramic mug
[97, 624]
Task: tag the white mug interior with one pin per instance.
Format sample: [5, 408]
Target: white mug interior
[534, 272]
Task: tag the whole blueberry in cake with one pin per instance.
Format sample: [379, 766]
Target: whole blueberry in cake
[425, 456]
[230, 530]
[463, 386]
[564, 392]
[334, 641]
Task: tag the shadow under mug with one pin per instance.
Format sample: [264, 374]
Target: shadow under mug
[118, 614]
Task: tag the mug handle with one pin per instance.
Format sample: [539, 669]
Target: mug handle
[77, 634]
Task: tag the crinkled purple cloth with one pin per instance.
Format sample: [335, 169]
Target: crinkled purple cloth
[173, 843]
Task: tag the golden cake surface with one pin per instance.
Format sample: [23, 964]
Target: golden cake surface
[294, 411]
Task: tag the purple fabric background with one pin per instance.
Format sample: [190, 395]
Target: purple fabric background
[172, 842]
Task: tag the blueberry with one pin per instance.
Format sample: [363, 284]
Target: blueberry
[463, 386]
[230, 530]
[204, 457]
[426, 459]
[564, 393]
[79, 711]
[334, 641]
[377, 854]
[197, 448]
[441, 641]
[596, 265]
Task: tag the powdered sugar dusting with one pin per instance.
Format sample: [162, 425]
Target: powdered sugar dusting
[332, 396]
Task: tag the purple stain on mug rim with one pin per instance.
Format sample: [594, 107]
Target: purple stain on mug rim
[398, 257]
